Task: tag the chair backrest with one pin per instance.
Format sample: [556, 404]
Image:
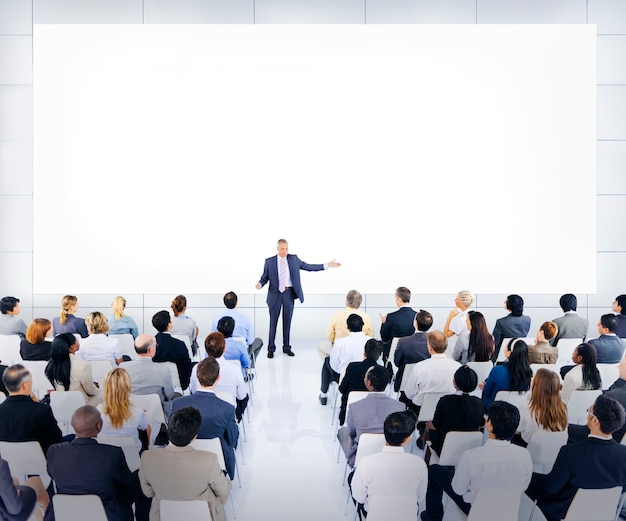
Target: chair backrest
[369, 443]
[227, 397]
[2, 397]
[41, 384]
[355, 396]
[544, 447]
[392, 352]
[99, 369]
[456, 443]
[25, 459]
[75, 508]
[550, 367]
[174, 374]
[482, 369]
[184, 510]
[63, 404]
[578, 404]
[127, 444]
[505, 342]
[566, 347]
[514, 398]
[151, 403]
[427, 410]
[398, 508]
[609, 373]
[10, 349]
[185, 339]
[127, 342]
[406, 375]
[213, 445]
[489, 501]
[595, 505]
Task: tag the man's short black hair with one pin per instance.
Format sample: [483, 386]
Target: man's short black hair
[161, 320]
[568, 302]
[609, 412]
[404, 294]
[610, 322]
[621, 302]
[184, 425]
[424, 320]
[226, 326]
[230, 300]
[378, 377]
[373, 349]
[399, 426]
[504, 419]
[355, 323]
[8, 304]
[515, 304]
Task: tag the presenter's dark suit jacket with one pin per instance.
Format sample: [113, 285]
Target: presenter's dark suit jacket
[609, 348]
[353, 380]
[509, 327]
[270, 274]
[592, 463]
[410, 350]
[218, 421]
[170, 349]
[84, 466]
[21, 419]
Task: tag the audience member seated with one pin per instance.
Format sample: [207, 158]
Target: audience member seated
[218, 416]
[66, 372]
[337, 325]
[347, 349]
[183, 324]
[235, 350]
[582, 376]
[19, 502]
[619, 306]
[609, 346]
[512, 376]
[243, 325]
[230, 379]
[542, 352]
[392, 471]
[498, 464]
[354, 379]
[35, 346]
[595, 463]
[147, 377]
[98, 346]
[10, 324]
[119, 416]
[456, 322]
[22, 417]
[433, 375]
[399, 323]
[66, 322]
[414, 348]
[546, 411]
[182, 473]
[170, 349]
[514, 325]
[476, 344]
[368, 414]
[570, 325]
[84, 466]
[456, 412]
[120, 323]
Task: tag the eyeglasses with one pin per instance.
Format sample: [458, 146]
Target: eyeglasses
[590, 413]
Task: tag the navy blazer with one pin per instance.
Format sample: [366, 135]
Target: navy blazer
[170, 349]
[353, 380]
[410, 350]
[270, 274]
[609, 348]
[398, 324]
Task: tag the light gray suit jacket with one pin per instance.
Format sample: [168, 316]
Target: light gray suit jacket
[571, 326]
[148, 377]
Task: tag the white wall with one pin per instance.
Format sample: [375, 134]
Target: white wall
[16, 133]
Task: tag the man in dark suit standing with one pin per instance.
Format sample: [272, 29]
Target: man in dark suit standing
[399, 323]
[170, 349]
[282, 271]
[84, 466]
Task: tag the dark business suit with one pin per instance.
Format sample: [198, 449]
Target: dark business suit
[592, 463]
[410, 350]
[609, 348]
[170, 349]
[397, 324]
[83, 466]
[509, 327]
[353, 380]
[218, 421]
[621, 326]
[285, 301]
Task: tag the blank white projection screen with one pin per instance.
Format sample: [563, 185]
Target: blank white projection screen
[171, 158]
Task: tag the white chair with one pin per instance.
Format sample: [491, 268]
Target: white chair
[184, 510]
[129, 447]
[2, 397]
[514, 398]
[127, 342]
[398, 508]
[75, 508]
[99, 370]
[482, 369]
[41, 384]
[505, 343]
[10, 349]
[392, 352]
[175, 376]
[406, 375]
[237, 363]
[578, 404]
[429, 404]
[555, 368]
[228, 398]
[63, 404]
[487, 502]
[151, 403]
[336, 393]
[566, 347]
[353, 396]
[609, 373]
[369, 443]
[454, 445]
[544, 447]
[602, 504]
[185, 339]
[25, 459]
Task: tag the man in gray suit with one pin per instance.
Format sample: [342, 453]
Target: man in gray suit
[570, 325]
[368, 414]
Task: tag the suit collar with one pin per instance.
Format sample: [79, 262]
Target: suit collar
[84, 441]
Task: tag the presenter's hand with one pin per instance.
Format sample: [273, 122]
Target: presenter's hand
[382, 317]
[257, 285]
[333, 264]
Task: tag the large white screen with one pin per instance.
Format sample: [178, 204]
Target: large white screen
[171, 158]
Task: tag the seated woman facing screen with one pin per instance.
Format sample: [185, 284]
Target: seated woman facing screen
[119, 323]
[183, 324]
[35, 346]
[98, 346]
[476, 345]
[66, 322]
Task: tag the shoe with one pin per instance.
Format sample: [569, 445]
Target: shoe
[249, 377]
[289, 352]
[323, 399]
[270, 354]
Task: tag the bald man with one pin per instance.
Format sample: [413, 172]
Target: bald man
[148, 377]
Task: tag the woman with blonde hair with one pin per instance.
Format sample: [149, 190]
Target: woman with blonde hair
[35, 346]
[119, 416]
[183, 324]
[66, 322]
[119, 323]
[98, 346]
[455, 323]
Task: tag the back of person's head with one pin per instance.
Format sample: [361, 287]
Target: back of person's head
[373, 349]
[399, 426]
[214, 344]
[67, 302]
[161, 320]
[520, 373]
[230, 300]
[465, 297]
[208, 370]
[465, 379]
[118, 306]
[86, 421]
[355, 323]
[116, 396]
[184, 426]
[14, 376]
[550, 330]
[37, 329]
[589, 360]
[515, 305]
[7, 304]
[568, 302]
[354, 299]
[609, 412]
[424, 320]
[378, 377]
[179, 304]
[546, 406]
[504, 419]
[437, 341]
[226, 326]
[60, 347]
[404, 294]
[609, 321]
[481, 344]
[143, 343]
[621, 302]
[97, 323]
[59, 365]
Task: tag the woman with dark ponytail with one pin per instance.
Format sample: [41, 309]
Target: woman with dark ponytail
[584, 375]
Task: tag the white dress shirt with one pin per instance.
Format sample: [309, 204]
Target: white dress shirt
[433, 375]
[230, 380]
[347, 349]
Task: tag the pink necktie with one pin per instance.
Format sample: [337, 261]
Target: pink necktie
[282, 274]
